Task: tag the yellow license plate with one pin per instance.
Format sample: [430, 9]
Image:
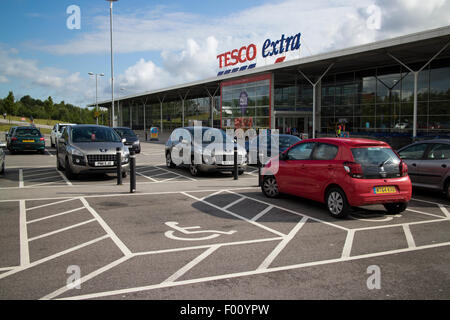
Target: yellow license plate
[389, 189]
[27, 140]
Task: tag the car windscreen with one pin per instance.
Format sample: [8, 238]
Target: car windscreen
[27, 132]
[94, 134]
[125, 132]
[377, 162]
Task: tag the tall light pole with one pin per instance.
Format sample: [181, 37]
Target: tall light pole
[112, 59]
[96, 91]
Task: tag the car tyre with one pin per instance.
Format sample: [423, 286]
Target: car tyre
[124, 174]
[337, 203]
[2, 171]
[169, 162]
[58, 164]
[447, 189]
[241, 172]
[395, 208]
[193, 169]
[270, 187]
[68, 171]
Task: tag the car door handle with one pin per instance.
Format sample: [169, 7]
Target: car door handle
[414, 165]
[444, 165]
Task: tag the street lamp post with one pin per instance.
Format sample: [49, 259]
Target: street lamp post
[96, 91]
[112, 59]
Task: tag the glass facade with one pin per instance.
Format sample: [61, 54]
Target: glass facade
[246, 103]
[380, 101]
[376, 101]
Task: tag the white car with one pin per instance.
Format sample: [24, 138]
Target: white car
[56, 132]
[2, 157]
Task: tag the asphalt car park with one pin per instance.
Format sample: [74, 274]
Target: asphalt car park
[206, 237]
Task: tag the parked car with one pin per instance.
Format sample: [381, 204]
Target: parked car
[26, 139]
[284, 142]
[342, 173]
[221, 160]
[429, 163]
[7, 134]
[131, 138]
[2, 157]
[90, 149]
[56, 132]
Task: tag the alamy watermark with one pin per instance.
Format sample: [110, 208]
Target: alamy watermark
[74, 280]
[74, 19]
[374, 280]
[212, 146]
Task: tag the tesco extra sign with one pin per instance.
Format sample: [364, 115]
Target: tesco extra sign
[248, 54]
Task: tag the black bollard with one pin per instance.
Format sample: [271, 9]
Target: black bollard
[119, 165]
[132, 172]
[258, 163]
[235, 171]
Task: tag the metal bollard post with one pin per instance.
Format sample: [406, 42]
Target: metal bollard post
[235, 171]
[119, 165]
[132, 172]
[258, 163]
[146, 139]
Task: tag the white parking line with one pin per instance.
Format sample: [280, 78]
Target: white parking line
[64, 178]
[409, 236]
[236, 215]
[233, 203]
[51, 155]
[178, 174]
[86, 278]
[246, 273]
[283, 243]
[54, 256]
[51, 204]
[38, 174]
[20, 178]
[445, 211]
[147, 177]
[61, 230]
[191, 264]
[54, 175]
[108, 230]
[24, 250]
[55, 215]
[259, 215]
[425, 213]
[348, 244]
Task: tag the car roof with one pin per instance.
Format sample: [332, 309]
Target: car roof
[89, 125]
[350, 142]
[26, 127]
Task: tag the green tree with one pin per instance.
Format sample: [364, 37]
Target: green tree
[9, 104]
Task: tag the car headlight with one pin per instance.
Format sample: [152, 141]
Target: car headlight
[136, 142]
[76, 152]
[77, 157]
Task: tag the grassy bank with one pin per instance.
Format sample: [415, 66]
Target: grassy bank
[5, 127]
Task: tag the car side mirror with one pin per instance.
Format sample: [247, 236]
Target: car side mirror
[2, 145]
[62, 140]
[124, 140]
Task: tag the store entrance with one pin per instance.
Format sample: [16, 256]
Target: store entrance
[293, 125]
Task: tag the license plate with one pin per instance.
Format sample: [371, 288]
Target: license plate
[104, 163]
[388, 189]
[27, 140]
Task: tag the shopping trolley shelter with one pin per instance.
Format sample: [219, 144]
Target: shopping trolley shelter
[206, 237]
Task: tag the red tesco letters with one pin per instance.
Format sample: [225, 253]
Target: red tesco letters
[232, 58]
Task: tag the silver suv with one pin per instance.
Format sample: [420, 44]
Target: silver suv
[213, 156]
[90, 149]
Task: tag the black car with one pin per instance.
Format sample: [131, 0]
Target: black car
[132, 139]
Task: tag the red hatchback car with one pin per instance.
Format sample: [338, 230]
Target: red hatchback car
[341, 172]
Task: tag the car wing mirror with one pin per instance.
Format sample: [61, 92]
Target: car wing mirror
[124, 140]
[2, 145]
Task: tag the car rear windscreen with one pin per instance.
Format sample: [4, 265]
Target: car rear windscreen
[377, 162]
[28, 132]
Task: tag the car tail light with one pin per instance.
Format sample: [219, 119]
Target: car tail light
[41, 139]
[353, 169]
[13, 139]
[403, 169]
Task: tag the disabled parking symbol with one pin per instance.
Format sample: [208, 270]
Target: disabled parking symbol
[185, 230]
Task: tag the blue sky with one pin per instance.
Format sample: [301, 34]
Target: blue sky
[162, 43]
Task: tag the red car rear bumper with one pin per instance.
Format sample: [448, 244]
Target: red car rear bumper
[362, 191]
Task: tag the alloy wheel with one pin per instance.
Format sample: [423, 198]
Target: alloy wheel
[270, 187]
[335, 203]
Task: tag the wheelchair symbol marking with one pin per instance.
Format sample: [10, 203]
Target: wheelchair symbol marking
[365, 217]
[185, 230]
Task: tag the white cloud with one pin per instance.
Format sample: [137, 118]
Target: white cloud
[188, 43]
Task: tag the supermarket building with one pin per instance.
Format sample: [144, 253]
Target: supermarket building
[398, 87]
